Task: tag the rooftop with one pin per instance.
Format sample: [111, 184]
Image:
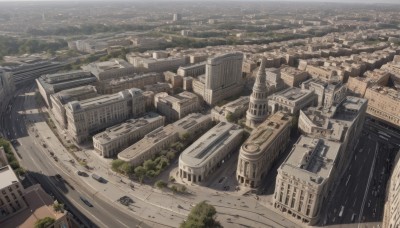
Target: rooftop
[7, 177]
[127, 127]
[311, 160]
[69, 95]
[265, 133]
[209, 144]
[60, 81]
[292, 94]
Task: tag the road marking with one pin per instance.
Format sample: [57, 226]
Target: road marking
[355, 189]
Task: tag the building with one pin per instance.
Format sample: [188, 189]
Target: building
[262, 148]
[233, 110]
[258, 106]
[291, 100]
[119, 84]
[192, 70]
[116, 138]
[39, 206]
[11, 197]
[175, 107]
[159, 139]
[93, 115]
[384, 104]
[145, 43]
[293, 77]
[322, 73]
[223, 78]
[60, 99]
[357, 86]
[175, 80]
[391, 218]
[157, 65]
[52, 83]
[209, 152]
[177, 17]
[111, 69]
[328, 93]
[27, 72]
[305, 178]
[274, 80]
[342, 123]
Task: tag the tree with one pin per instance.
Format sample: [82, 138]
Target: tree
[116, 164]
[160, 184]
[170, 155]
[140, 172]
[126, 168]
[58, 206]
[201, 216]
[149, 165]
[44, 222]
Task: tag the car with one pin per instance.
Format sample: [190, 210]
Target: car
[81, 173]
[58, 176]
[86, 201]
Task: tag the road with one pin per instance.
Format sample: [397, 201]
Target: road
[361, 190]
[42, 169]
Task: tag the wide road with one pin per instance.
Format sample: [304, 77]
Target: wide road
[41, 168]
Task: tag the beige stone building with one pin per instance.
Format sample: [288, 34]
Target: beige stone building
[235, 109]
[158, 65]
[328, 93]
[52, 83]
[116, 138]
[262, 148]
[119, 84]
[322, 73]
[192, 70]
[60, 99]
[384, 104]
[342, 123]
[293, 77]
[159, 139]
[93, 115]
[175, 107]
[391, 218]
[11, 193]
[223, 78]
[291, 100]
[358, 85]
[305, 178]
[107, 70]
[174, 79]
[209, 152]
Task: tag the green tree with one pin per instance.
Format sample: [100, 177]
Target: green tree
[116, 164]
[160, 184]
[171, 155]
[149, 165]
[44, 222]
[151, 173]
[127, 168]
[58, 206]
[201, 216]
[140, 172]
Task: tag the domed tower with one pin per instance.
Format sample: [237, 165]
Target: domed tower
[258, 107]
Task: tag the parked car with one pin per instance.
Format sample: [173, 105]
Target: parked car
[99, 178]
[86, 201]
[81, 173]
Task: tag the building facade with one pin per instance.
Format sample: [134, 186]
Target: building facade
[328, 94]
[159, 139]
[209, 152]
[391, 218]
[111, 69]
[93, 115]
[175, 107]
[291, 100]
[305, 178]
[116, 138]
[233, 110]
[262, 148]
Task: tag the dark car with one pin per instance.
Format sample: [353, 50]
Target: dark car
[86, 201]
[58, 176]
[81, 173]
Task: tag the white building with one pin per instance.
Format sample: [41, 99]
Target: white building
[209, 152]
[175, 107]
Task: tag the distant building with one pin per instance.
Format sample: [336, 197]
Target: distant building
[157, 65]
[384, 104]
[258, 106]
[293, 77]
[209, 152]
[262, 148]
[93, 115]
[116, 138]
[52, 83]
[159, 139]
[111, 69]
[175, 107]
[177, 17]
[119, 84]
[305, 178]
[60, 99]
[146, 42]
[291, 100]
[235, 109]
[175, 80]
[223, 78]
[192, 70]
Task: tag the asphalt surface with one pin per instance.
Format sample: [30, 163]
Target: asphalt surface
[42, 169]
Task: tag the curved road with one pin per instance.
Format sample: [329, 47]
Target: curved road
[42, 169]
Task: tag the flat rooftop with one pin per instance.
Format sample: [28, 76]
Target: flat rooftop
[261, 137]
[311, 160]
[7, 177]
[208, 145]
[127, 127]
[292, 94]
[98, 101]
[57, 82]
[69, 95]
